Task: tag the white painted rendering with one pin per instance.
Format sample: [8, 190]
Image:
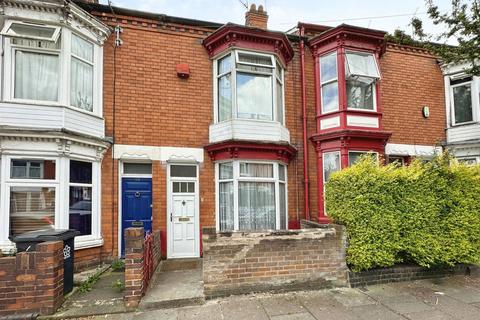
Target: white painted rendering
[331, 122]
[361, 121]
[154, 153]
[243, 129]
[411, 150]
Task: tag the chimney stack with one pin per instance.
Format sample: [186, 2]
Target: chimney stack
[256, 18]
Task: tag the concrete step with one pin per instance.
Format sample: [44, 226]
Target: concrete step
[181, 264]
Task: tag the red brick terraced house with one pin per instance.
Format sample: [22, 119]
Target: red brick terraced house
[176, 124]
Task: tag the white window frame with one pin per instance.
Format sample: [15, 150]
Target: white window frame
[324, 83]
[9, 23]
[91, 63]
[64, 55]
[362, 75]
[14, 48]
[61, 183]
[28, 166]
[234, 56]
[473, 95]
[374, 82]
[236, 179]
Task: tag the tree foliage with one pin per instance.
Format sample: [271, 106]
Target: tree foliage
[461, 24]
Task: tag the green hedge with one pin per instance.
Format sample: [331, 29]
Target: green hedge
[426, 213]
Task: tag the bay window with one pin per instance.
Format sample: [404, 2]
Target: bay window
[329, 82]
[47, 62]
[361, 75]
[249, 86]
[37, 195]
[462, 100]
[251, 196]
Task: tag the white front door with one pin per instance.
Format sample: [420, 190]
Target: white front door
[183, 229]
[183, 224]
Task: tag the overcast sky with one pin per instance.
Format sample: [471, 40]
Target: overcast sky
[384, 15]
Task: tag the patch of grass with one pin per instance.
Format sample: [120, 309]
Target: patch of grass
[118, 265]
[88, 284]
[118, 285]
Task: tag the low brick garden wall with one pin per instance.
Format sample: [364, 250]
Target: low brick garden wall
[401, 273]
[32, 282]
[239, 262]
[135, 284]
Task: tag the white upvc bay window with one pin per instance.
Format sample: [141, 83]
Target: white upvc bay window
[251, 195]
[249, 85]
[43, 192]
[51, 65]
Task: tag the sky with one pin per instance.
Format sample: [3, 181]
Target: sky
[386, 15]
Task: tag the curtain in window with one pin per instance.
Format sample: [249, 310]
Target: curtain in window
[256, 205]
[36, 76]
[226, 206]
[82, 48]
[279, 102]
[362, 64]
[81, 85]
[256, 170]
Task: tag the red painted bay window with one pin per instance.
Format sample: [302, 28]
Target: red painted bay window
[348, 106]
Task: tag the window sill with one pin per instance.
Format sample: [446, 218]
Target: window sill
[463, 124]
[85, 242]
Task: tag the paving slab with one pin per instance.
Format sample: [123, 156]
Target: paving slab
[281, 305]
[405, 303]
[242, 309]
[375, 312]
[429, 315]
[174, 289]
[323, 306]
[205, 312]
[351, 297]
[296, 316]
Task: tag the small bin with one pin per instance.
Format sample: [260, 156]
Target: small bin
[28, 242]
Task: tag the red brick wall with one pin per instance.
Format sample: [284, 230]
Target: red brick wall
[32, 282]
[259, 261]
[154, 107]
[411, 79]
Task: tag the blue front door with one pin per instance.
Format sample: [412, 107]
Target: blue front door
[136, 205]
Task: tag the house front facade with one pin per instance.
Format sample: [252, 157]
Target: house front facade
[175, 124]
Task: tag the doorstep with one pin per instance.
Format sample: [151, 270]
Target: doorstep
[176, 283]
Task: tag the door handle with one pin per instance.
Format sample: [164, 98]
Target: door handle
[171, 216]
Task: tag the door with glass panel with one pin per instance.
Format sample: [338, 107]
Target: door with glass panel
[183, 220]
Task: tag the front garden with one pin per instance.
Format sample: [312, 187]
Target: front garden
[427, 213]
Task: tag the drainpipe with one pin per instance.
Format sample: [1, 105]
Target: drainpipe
[304, 118]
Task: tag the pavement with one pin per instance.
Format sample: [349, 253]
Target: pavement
[437, 299]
